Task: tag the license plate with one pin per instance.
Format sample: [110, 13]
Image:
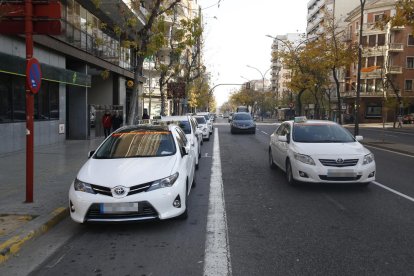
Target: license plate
[124, 207]
[341, 173]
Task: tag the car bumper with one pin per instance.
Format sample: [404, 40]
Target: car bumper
[157, 204]
[243, 130]
[324, 174]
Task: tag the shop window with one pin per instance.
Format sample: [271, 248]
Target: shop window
[408, 85]
[5, 98]
[19, 99]
[373, 111]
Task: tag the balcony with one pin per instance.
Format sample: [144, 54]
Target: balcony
[396, 47]
[374, 51]
[394, 70]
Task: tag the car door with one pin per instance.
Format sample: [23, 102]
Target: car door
[191, 155]
[186, 161]
[280, 146]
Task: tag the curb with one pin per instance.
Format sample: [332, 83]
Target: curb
[40, 226]
[376, 145]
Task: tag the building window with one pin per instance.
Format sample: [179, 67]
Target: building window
[371, 61]
[380, 61]
[410, 62]
[378, 17]
[381, 40]
[372, 40]
[410, 40]
[373, 111]
[408, 85]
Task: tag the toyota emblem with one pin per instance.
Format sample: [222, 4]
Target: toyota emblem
[339, 161]
[119, 191]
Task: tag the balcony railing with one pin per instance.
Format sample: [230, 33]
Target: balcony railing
[396, 47]
[395, 69]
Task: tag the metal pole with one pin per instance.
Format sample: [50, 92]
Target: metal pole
[358, 91]
[28, 8]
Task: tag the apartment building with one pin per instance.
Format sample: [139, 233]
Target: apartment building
[281, 75]
[387, 73]
[86, 70]
[318, 10]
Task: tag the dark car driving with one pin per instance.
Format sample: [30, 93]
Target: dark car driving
[242, 123]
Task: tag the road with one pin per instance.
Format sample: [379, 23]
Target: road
[272, 228]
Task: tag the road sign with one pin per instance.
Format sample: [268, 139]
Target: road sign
[33, 75]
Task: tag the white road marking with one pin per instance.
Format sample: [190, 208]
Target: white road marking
[393, 191]
[265, 133]
[387, 150]
[217, 249]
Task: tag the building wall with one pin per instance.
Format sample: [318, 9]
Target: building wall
[13, 135]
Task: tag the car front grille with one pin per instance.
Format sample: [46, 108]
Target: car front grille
[354, 178]
[133, 190]
[145, 211]
[335, 163]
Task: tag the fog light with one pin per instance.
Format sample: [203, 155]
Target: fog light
[371, 174]
[72, 207]
[303, 174]
[177, 202]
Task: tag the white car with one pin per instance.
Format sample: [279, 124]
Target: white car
[203, 127]
[190, 129]
[138, 173]
[208, 119]
[320, 151]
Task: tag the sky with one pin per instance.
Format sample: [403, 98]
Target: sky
[235, 36]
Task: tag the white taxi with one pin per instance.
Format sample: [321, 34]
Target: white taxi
[320, 151]
[138, 173]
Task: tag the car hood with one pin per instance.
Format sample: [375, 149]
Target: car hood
[126, 171]
[326, 149]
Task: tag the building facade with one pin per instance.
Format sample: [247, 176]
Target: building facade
[387, 73]
[85, 71]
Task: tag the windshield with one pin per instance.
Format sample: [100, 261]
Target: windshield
[201, 120]
[242, 117]
[321, 133]
[137, 143]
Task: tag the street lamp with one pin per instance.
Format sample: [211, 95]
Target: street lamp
[263, 78]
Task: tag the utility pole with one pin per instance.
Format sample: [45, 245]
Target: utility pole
[358, 91]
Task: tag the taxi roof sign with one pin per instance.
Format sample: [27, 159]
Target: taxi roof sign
[301, 119]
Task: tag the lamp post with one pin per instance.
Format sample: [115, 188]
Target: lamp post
[263, 79]
[358, 88]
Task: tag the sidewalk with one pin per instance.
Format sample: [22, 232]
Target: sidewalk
[55, 167]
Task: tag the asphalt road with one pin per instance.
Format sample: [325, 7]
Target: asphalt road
[273, 228]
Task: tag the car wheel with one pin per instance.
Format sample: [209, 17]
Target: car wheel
[289, 174]
[271, 162]
[184, 215]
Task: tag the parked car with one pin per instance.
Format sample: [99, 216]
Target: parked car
[190, 129]
[320, 151]
[408, 119]
[138, 173]
[208, 119]
[203, 127]
[242, 123]
[230, 117]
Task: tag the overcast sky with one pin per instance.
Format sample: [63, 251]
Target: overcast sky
[235, 36]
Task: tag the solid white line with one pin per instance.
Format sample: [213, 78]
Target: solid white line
[265, 133]
[387, 150]
[393, 191]
[217, 249]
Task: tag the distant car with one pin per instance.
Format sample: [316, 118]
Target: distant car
[320, 151]
[242, 123]
[221, 115]
[408, 119]
[242, 109]
[230, 116]
[138, 173]
[203, 127]
[190, 129]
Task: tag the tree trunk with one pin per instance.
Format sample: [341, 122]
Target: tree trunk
[136, 108]
[338, 95]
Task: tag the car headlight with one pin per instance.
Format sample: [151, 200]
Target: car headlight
[163, 183]
[304, 158]
[369, 158]
[82, 186]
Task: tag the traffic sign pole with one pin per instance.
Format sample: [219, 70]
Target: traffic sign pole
[28, 8]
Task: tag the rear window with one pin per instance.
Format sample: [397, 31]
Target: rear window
[137, 143]
[185, 126]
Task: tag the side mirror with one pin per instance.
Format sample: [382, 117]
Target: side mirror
[359, 138]
[185, 150]
[282, 138]
[91, 153]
